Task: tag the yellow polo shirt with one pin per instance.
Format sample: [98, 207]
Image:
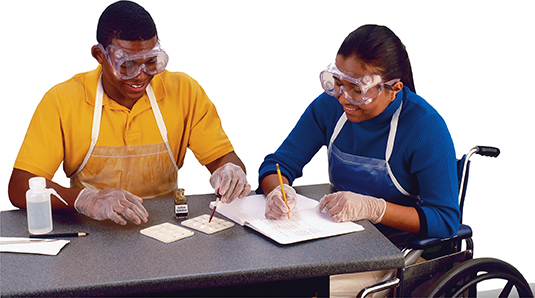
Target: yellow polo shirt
[60, 130]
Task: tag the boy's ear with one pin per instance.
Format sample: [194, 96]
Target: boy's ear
[97, 54]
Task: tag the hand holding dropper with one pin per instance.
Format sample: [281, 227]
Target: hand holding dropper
[215, 206]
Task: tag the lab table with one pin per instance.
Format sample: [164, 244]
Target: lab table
[116, 260]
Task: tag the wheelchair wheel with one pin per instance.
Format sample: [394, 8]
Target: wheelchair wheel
[464, 277]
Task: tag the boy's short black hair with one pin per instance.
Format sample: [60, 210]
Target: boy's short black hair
[125, 20]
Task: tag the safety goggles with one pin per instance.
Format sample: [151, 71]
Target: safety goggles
[127, 66]
[359, 91]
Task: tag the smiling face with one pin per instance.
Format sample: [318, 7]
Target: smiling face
[353, 67]
[125, 92]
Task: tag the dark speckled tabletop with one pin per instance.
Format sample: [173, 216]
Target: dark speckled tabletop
[117, 260]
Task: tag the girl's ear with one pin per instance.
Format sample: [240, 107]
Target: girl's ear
[398, 86]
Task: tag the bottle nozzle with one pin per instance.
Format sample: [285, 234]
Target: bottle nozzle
[53, 191]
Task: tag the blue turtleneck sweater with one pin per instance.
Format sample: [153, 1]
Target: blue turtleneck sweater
[423, 158]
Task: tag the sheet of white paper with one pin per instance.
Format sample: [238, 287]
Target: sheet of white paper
[49, 247]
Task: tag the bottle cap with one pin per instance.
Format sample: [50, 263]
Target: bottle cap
[37, 183]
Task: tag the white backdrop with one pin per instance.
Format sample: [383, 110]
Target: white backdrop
[259, 62]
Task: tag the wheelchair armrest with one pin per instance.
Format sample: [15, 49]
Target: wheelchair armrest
[463, 232]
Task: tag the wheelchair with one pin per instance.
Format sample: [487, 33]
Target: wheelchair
[448, 268]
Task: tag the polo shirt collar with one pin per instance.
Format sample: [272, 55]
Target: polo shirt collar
[93, 76]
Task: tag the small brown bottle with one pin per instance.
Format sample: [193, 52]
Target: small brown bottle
[181, 204]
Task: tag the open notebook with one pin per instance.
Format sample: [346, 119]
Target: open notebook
[305, 223]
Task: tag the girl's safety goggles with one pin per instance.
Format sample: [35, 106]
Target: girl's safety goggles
[358, 91]
[127, 66]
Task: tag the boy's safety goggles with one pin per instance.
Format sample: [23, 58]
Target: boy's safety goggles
[127, 66]
[358, 91]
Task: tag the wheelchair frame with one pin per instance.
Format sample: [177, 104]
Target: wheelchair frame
[460, 272]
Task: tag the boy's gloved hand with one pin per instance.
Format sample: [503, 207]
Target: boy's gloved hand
[230, 182]
[111, 204]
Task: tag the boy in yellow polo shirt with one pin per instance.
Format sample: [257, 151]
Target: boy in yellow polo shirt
[122, 130]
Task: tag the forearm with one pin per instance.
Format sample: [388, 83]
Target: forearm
[18, 186]
[231, 157]
[401, 218]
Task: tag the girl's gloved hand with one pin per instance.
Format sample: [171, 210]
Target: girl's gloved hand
[230, 182]
[111, 204]
[276, 208]
[349, 206]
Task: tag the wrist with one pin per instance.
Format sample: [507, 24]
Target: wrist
[77, 198]
[270, 182]
[378, 211]
[83, 195]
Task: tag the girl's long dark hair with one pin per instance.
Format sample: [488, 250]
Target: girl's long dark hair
[379, 47]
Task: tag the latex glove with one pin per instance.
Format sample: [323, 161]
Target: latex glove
[349, 206]
[276, 208]
[111, 204]
[230, 182]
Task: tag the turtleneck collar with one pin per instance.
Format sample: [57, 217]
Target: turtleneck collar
[384, 118]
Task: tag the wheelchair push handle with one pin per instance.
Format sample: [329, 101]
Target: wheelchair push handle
[487, 151]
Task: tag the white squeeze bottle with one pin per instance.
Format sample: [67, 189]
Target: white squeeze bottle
[38, 206]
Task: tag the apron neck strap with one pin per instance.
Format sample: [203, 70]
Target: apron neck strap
[95, 130]
[391, 136]
[157, 114]
[341, 121]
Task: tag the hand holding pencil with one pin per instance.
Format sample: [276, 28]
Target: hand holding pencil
[281, 200]
[276, 208]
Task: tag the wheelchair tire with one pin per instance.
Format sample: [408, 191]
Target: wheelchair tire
[465, 276]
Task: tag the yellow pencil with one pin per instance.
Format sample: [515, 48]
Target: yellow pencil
[282, 188]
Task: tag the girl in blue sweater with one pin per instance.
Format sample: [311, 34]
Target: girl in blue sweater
[391, 156]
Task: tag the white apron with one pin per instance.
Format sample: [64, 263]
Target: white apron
[147, 171]
[365, 175]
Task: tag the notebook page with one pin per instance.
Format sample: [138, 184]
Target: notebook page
[242, 210]
[305, 223]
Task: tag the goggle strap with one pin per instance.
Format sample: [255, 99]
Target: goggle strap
[388, 85]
